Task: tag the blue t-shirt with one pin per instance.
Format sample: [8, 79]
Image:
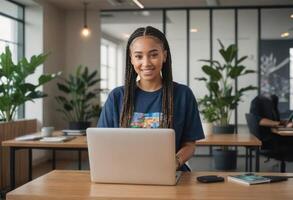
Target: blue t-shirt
[148, 110]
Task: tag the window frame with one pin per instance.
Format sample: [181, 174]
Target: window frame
[20, 41]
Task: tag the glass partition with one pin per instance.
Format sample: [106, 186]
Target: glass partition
[199, 49]
[224, 30]
[276, 41]
[247, 45]
[177, 38]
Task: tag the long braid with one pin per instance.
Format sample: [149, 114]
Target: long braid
[130, 81]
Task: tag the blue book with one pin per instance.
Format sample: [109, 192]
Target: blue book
[248, 179]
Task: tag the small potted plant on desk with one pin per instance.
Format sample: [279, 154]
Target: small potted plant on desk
[223, 98]
[77, 104]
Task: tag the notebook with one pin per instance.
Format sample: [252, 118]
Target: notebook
[132, 155]
[249, 179]
[29, 137]
[57, 139]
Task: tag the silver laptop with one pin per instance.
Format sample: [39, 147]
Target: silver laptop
[132, 155]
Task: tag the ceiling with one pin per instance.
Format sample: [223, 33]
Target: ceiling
[128, 4]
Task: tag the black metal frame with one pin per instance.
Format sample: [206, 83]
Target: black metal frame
[54, 149]
[258, 48]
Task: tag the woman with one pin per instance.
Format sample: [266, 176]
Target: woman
[154, 101]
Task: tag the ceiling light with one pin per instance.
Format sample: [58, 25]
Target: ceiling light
[291, 16]
[193, 30]
[138, 4]
[85, 32]
[285, 34]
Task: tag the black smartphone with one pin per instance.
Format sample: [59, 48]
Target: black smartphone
[210, 179]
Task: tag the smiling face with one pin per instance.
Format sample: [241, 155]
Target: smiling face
[147, 56]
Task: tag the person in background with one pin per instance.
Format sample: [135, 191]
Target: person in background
[265, 109]
[150, 98]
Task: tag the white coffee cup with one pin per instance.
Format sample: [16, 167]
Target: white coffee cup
[47, 131]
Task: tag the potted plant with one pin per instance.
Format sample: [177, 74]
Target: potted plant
[15, 91]
[217, 106]
[222, 99]
[79, 92]
[208, 113]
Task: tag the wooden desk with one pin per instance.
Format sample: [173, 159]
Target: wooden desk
[76, 185]
[246, 140]
[77, 144]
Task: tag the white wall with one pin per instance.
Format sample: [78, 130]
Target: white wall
[34, 45]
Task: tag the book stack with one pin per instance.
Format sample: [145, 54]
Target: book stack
[57, 139]
[74, 132]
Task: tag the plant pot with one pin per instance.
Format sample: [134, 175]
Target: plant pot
[207, 128]
[79, 125]
[229, 129]
[225, 159]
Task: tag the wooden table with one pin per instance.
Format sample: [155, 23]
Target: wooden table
[247, 140]
[77, 144]
[76, 185]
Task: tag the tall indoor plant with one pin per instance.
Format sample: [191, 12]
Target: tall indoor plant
[79, 91]
[220, 81]
[217, 106]
[14, 90]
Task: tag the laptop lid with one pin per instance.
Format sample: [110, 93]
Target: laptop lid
[132, 155]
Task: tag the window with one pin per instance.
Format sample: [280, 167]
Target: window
[111, 67]
[291, 78]
[12, 32]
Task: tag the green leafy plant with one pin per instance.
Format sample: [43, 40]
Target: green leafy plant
[14, 90]
[79, 92]
[222, 99]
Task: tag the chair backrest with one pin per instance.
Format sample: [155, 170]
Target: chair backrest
[252, 124]
[265, 107]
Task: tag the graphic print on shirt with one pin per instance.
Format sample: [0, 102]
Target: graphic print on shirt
[145, 120]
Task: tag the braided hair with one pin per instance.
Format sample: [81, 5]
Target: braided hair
[130, 81]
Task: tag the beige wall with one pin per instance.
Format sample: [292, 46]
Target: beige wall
[54, 43]
[67, 50]
[81, 50]
[55, 31]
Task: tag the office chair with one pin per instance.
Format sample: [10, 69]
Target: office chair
[269, 151]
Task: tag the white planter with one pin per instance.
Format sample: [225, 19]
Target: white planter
[207, 128]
